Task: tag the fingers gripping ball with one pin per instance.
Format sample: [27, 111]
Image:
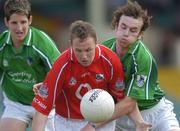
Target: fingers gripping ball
[97, 105]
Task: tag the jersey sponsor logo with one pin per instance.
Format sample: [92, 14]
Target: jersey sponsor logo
[141, 79]
[86, 74]
[79, 90]
[95, 95]
[119, 84]
[39, 103]
[99, 77]
[43, 91]
[5, 63]
[29, 61]
[72, 81]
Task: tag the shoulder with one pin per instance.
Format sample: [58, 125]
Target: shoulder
[40, 37]
[143, 51]
[3, 37]
[108, 54]
[109, 43]
[64, 58]
[141, 54]
[105, 50]
[41, 41]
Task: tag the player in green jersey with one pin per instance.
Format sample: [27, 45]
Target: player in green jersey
[129, 23]
[26, 55]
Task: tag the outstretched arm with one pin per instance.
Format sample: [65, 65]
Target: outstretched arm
[128, 106]
[141, 125]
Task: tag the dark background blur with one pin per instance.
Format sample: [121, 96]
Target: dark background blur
[162, 38]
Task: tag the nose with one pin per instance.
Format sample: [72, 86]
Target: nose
[126, 32]
[84, 55]
[19, 26]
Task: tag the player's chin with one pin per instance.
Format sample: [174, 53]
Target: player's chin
[85, 63]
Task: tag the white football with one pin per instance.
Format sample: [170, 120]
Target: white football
[97, 105]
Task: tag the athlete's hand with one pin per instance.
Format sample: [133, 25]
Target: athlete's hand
[36, 87]
[88, 127]
[144, 126]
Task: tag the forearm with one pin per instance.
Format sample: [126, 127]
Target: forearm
[39, 122]
[136, 116]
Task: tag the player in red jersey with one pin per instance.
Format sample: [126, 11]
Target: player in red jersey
[84, 66]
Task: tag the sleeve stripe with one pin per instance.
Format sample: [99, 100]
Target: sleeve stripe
[56, 85]
[3, 47]
[147, 84]
[148, 77]
[134, 59]
[42, 54]
[110, 66]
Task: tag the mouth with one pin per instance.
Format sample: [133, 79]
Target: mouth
[84, 63]
[124, 41]
[19, 34]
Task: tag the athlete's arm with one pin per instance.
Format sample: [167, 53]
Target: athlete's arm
[36, 87]
[39, 122]
[122, 107]
[127, 106]
[141, 125]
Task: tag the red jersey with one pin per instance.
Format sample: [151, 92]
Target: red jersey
[68, 81]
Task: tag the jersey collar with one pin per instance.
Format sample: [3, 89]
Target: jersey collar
[133, 47]
[26, 40]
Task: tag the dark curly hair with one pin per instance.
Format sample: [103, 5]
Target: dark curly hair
[132, 9]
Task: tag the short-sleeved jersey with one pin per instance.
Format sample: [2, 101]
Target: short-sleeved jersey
[140, 74]
[68, 81]
[22, 68]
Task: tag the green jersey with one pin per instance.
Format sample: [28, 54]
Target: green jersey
[21, 68]
[140, 74]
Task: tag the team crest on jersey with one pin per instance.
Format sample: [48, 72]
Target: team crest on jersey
[29, 61]
[119, 84]
[141, 79]
[5, 63]
[72, 81]
[99, 77]
[43, 91]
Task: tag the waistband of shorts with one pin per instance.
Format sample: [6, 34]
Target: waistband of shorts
[156, 107]
[68, 119]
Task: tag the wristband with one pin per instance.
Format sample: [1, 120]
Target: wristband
[92, 124]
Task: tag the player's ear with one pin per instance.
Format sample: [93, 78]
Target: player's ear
[30, 19]
[140, 36]
[6, 21]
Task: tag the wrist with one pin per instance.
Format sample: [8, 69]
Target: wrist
[92, 124]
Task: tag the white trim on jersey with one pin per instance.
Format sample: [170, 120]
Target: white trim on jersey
[110, 65]
[3, 47]
[42, 54]
[130, 86]
[30, 34]
[56, 86]
[67, 104]
[49, 39]
[147, 84]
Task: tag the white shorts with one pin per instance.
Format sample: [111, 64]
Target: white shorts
[22, 112]
[65, 124]
[160, 116]
[17, 110]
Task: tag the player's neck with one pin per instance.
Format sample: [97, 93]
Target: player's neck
[120, 51]
[17, 44]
